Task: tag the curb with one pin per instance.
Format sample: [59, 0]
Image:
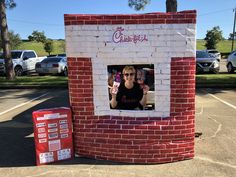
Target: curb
[215, 86]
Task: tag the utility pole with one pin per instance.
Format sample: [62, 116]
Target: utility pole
[232, 48]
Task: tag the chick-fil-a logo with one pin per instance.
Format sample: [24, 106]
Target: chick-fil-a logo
[119, 37]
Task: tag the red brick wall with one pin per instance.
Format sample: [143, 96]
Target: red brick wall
[150, 18]
[129, 139]
[134, 139]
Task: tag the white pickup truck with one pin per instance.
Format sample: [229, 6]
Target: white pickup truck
[23, 61]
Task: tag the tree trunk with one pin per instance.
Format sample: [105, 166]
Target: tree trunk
[10, 74]
[171, 5]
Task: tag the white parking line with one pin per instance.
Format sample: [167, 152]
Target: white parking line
[215, 162]
[222, 101]
[22, 104]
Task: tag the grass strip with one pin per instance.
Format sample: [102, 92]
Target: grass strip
[54, 81]
[35, 81]
[217, 79]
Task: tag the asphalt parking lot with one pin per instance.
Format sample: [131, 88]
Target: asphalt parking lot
[215, 153]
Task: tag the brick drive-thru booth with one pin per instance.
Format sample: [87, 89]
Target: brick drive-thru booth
[166, 41]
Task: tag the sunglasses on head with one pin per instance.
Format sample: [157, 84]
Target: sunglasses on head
[129, 74]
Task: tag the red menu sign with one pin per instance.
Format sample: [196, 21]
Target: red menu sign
[52, 135]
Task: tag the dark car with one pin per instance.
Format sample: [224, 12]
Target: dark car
[61, 55]
[206, 62]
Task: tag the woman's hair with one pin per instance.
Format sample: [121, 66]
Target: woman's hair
[111, 79]
[128, 68]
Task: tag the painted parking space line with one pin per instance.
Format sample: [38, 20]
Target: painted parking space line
[22, 104]
[222, 101]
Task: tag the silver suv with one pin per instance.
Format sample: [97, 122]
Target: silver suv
[231, 62]
[206, 62]
[215, 53]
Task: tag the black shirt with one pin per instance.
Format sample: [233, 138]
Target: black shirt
[128, 99]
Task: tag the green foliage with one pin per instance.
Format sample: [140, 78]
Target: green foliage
[52, 81]
[10, 4]
[138, 4]
[48, 46]
[213, 37]
[171, 5]
[223, 46]
[15, 40]
[58, 81]
[38, 47]
[201, 44]
[37, 36]
[63, 46]
[213, 79]
[231, 36]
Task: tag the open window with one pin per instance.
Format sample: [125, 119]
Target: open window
[144, 75]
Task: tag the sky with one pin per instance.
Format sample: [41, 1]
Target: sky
[48, 15]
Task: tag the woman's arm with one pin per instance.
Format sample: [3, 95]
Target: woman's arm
[113, 101]
[143, 101]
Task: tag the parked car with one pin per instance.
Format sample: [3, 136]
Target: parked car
[52, 65]
[53, 55]
[61, 55]
[23, 61]
[214, 53]
[231, 62]
[206, 62]
[57, 55]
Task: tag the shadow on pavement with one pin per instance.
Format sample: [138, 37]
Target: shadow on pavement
[13, 94]
[88, 161]
[205, 91]
[17, 142]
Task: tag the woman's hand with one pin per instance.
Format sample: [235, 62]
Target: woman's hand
[145, 89]
[114, 90]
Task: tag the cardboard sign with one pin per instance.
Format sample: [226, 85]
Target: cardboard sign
[52, 135]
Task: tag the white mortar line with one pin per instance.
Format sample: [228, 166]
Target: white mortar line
[222, 101]
[22, 104]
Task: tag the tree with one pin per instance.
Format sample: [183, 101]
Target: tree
[15, 40]
[37, 36]
[48, 46]
[10, 74]
[171, 5]
[138, 4]
[213, 37]
[62, 45]
[231, 36]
